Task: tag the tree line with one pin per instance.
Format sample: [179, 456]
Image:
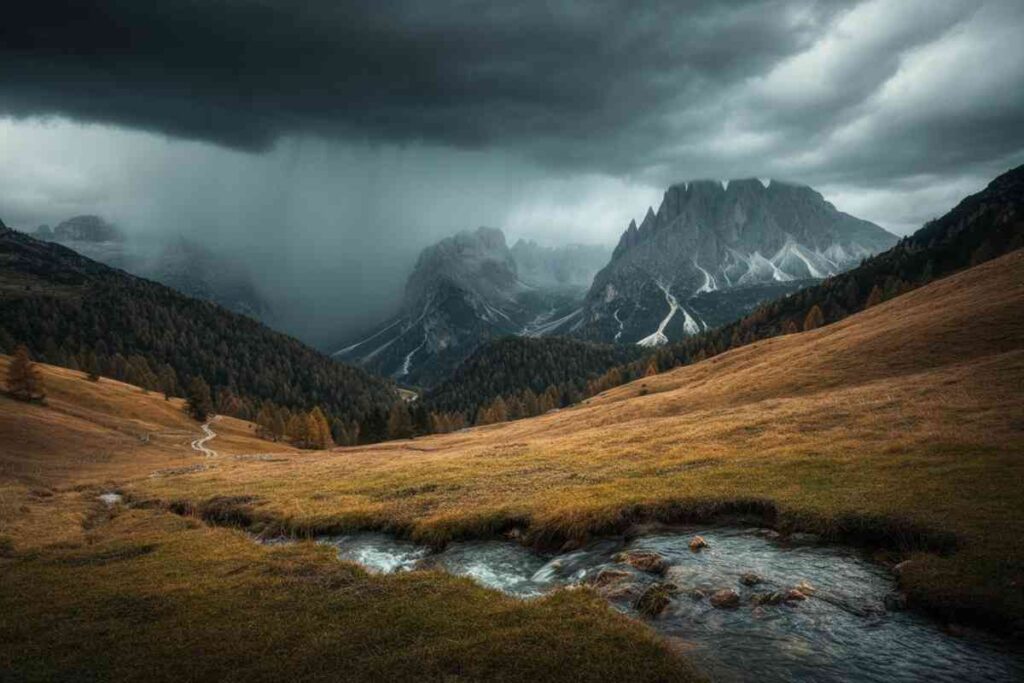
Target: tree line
[76, 313]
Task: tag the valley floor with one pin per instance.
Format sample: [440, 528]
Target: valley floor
[900, 427]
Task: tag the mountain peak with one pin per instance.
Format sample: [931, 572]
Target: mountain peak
[713, 236]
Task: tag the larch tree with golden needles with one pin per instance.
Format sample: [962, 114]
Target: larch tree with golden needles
[23, 379]
[874, 298]
[815, 318]
[399, 421]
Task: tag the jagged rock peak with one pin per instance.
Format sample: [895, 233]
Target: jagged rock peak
[87, 229]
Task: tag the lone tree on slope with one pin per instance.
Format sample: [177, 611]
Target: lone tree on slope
[23, 379]
[198, 403]
[814, 319]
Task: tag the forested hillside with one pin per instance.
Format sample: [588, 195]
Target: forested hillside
[515, 365]
[77, 313]
[980, 228]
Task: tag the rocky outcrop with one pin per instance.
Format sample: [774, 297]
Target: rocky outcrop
[464, 291]
[655, 599]
[86, 229]
[750, 579]
[643, 560]
[725, 598]
[713, 251]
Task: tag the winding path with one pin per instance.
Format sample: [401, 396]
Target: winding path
[200, 443]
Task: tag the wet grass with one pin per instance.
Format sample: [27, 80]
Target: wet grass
[155, 597]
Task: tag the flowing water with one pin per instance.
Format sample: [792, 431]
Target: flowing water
[841, 632]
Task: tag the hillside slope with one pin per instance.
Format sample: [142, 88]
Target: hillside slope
[982, 226]
[67, 308]
[129, 592]
[899, 424]
[513, 365]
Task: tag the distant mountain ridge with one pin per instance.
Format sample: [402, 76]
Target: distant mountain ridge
[66, 307]
[982, 227]
[465, 290]
[178, 262]
[714, 250]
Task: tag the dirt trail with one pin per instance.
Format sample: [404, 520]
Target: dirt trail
[200, 443]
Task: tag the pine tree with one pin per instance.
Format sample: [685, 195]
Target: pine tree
[874, 298]
[321, 429]
[265, 423]
[198, 403]
[168, 381]
[91, 366]
[23, 379]
[399, 421]
[498, 411]
[297, 430]
[815, 318]
[530, 405]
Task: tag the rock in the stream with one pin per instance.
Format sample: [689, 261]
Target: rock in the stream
[750, 579]
[655, 599]
[644, 560]
[697, 594]
[770, 598]
[725, 598]
[779, 597]
[613, 583]
[805, 588]
[698, 542]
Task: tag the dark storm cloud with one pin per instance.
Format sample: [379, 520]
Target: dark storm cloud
[325, 142]
[572, 81]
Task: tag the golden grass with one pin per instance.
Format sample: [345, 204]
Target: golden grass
[897, 425]
[156, 597]
[124, 593]
[905, 417]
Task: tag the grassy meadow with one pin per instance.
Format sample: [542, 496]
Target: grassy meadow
[901, 427]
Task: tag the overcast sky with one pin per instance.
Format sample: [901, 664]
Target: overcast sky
[328, 140]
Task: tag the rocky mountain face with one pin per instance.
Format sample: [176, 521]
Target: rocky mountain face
[569, 266]
[711, 253]
[177, 262]
[83, 229]
[464, 291]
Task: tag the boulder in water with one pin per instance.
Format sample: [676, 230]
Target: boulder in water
[779, 597]
[644, 560]
[725, 598]
[805, 588]
[611, 583]
[770, 598]
[698, 542]
[655, 599]
[750, 579]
